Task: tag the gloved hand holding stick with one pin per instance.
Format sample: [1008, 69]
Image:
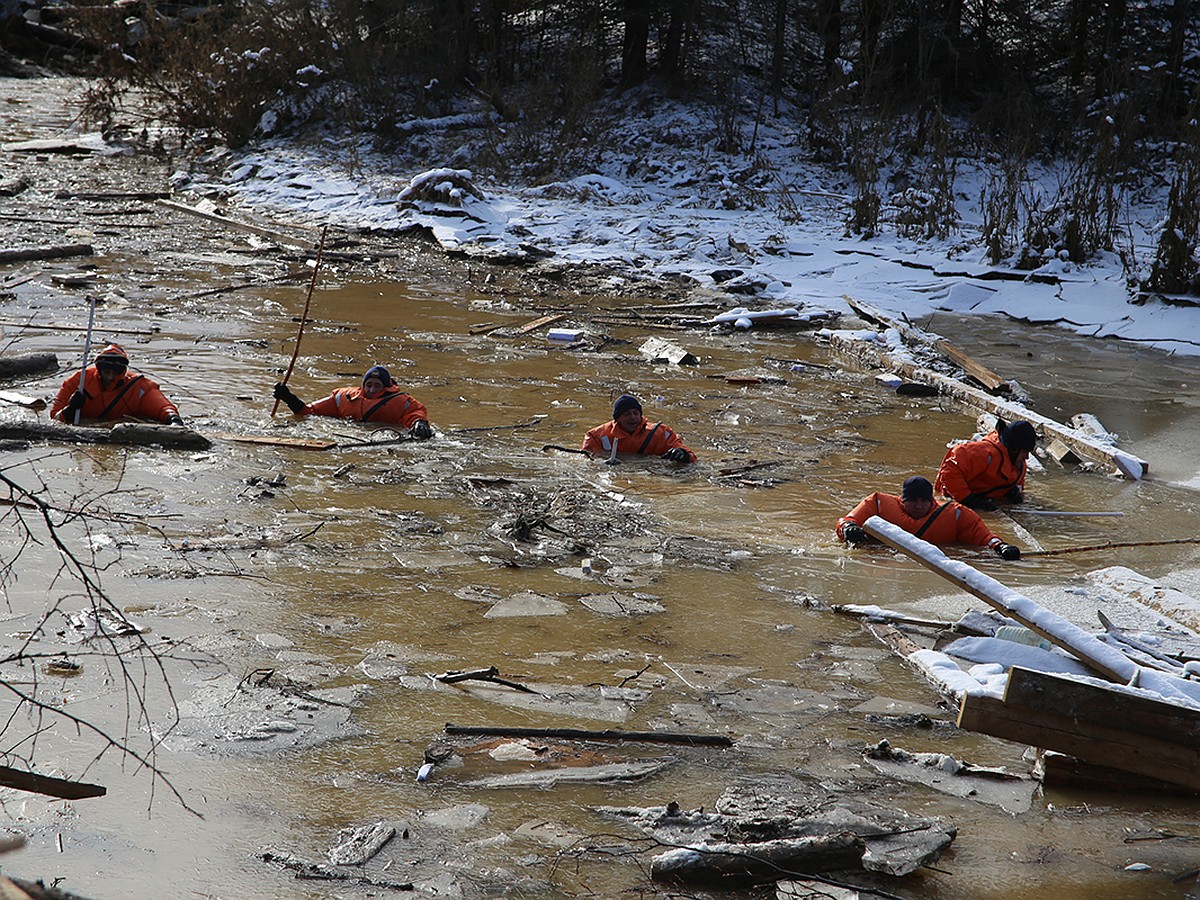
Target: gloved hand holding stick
[303, 316]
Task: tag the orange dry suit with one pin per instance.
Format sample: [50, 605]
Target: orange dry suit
[131, 394]
[980, 467]
[648, 439]
[947, 523]
[391, 407]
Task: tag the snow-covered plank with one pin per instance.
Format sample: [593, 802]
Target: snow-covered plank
[869, 348]
[1095, 654]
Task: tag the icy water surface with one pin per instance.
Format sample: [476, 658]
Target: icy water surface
[372, 567]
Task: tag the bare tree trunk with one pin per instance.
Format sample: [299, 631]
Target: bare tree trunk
[636, 15]
[829, 28]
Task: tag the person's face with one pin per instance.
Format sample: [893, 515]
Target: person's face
[372, 387]
[109, 373]
[916, 508]
[630, 419]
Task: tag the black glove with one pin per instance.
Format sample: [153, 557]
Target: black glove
[1015, 494]
[76, 403]
[294, 403]
[853, 533]
[174, 419]
[420, 430]
[1008, 551]
[979, 501]
[677, 454]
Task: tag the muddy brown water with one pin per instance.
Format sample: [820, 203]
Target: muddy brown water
[414, 551]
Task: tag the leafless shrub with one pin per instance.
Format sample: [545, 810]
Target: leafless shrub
[1176, 268]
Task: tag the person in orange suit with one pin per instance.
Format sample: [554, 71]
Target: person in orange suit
[111, 391]
[379, 400]
[631, 433]
[980, 473]
[915, 511]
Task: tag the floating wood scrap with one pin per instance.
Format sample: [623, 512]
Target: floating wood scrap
[491, 674]
[582, 734]
[59, 252]
[659, 350]
[27, 364]
[34, 403]
[1087, 447]
[960, 358]
[302, 243]
[540, 322]
[51, 787]
[1147, 723]
[127, 433]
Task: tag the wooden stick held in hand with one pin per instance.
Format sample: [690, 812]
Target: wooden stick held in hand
[304, 315]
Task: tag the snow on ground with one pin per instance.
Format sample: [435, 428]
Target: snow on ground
[676, 207]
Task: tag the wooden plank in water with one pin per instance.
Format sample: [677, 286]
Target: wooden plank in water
[270, 441]
[541, 321]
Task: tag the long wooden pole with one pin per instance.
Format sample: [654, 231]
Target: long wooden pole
[303, 316]
[1111, 545]
[87, 348]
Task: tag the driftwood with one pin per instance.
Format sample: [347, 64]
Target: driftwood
[51, 787]
[540, 322]
[271, 441]
[1086, 447]
[1055, 769]
[127, 433]
[583, 734]
[35, 403]
[762, 861]
[321, 872]
[491, 674]
[1111, 545]
[288, 240]
[1092, 652]
[60, 252]
[27, 364]
[564, 449]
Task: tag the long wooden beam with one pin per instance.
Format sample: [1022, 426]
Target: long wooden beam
[46, 784]
[1107, 661]
[1130, 466]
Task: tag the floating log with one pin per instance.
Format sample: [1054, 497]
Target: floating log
[51, 787]
[27, 364]
[1096, 724]
[60, 252]
[127, 433]
[762, 861]
[1093, 653]
[1130, 466]
[583, 734]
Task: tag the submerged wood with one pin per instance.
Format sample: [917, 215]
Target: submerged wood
[285, 239]
[51, 787]
[59, 252]
[27, 364]
[583, 734]
[272, 441]
[1062, 770]
[724, 863]
[128, 433]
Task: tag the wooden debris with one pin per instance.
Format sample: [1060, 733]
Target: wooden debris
[581, 734]
[51, 787]
[485, 327]
[60, 252]
[540, 322]
[272, 441]
[1130, 466]
[140, 332]
[105, 196]
[35, 403]
[136, 434]
[1062, 770]
[359, 845]
[322, 872]
[1096, 724]
[972, 367]
[875, 613]
[491, 675]
[279, 237]
[660, 350]
[727, 864]
[27, 364]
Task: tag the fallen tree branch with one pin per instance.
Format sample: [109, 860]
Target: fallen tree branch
[320, 872]
[584, 734]
[489, 674]
[1111, 545]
